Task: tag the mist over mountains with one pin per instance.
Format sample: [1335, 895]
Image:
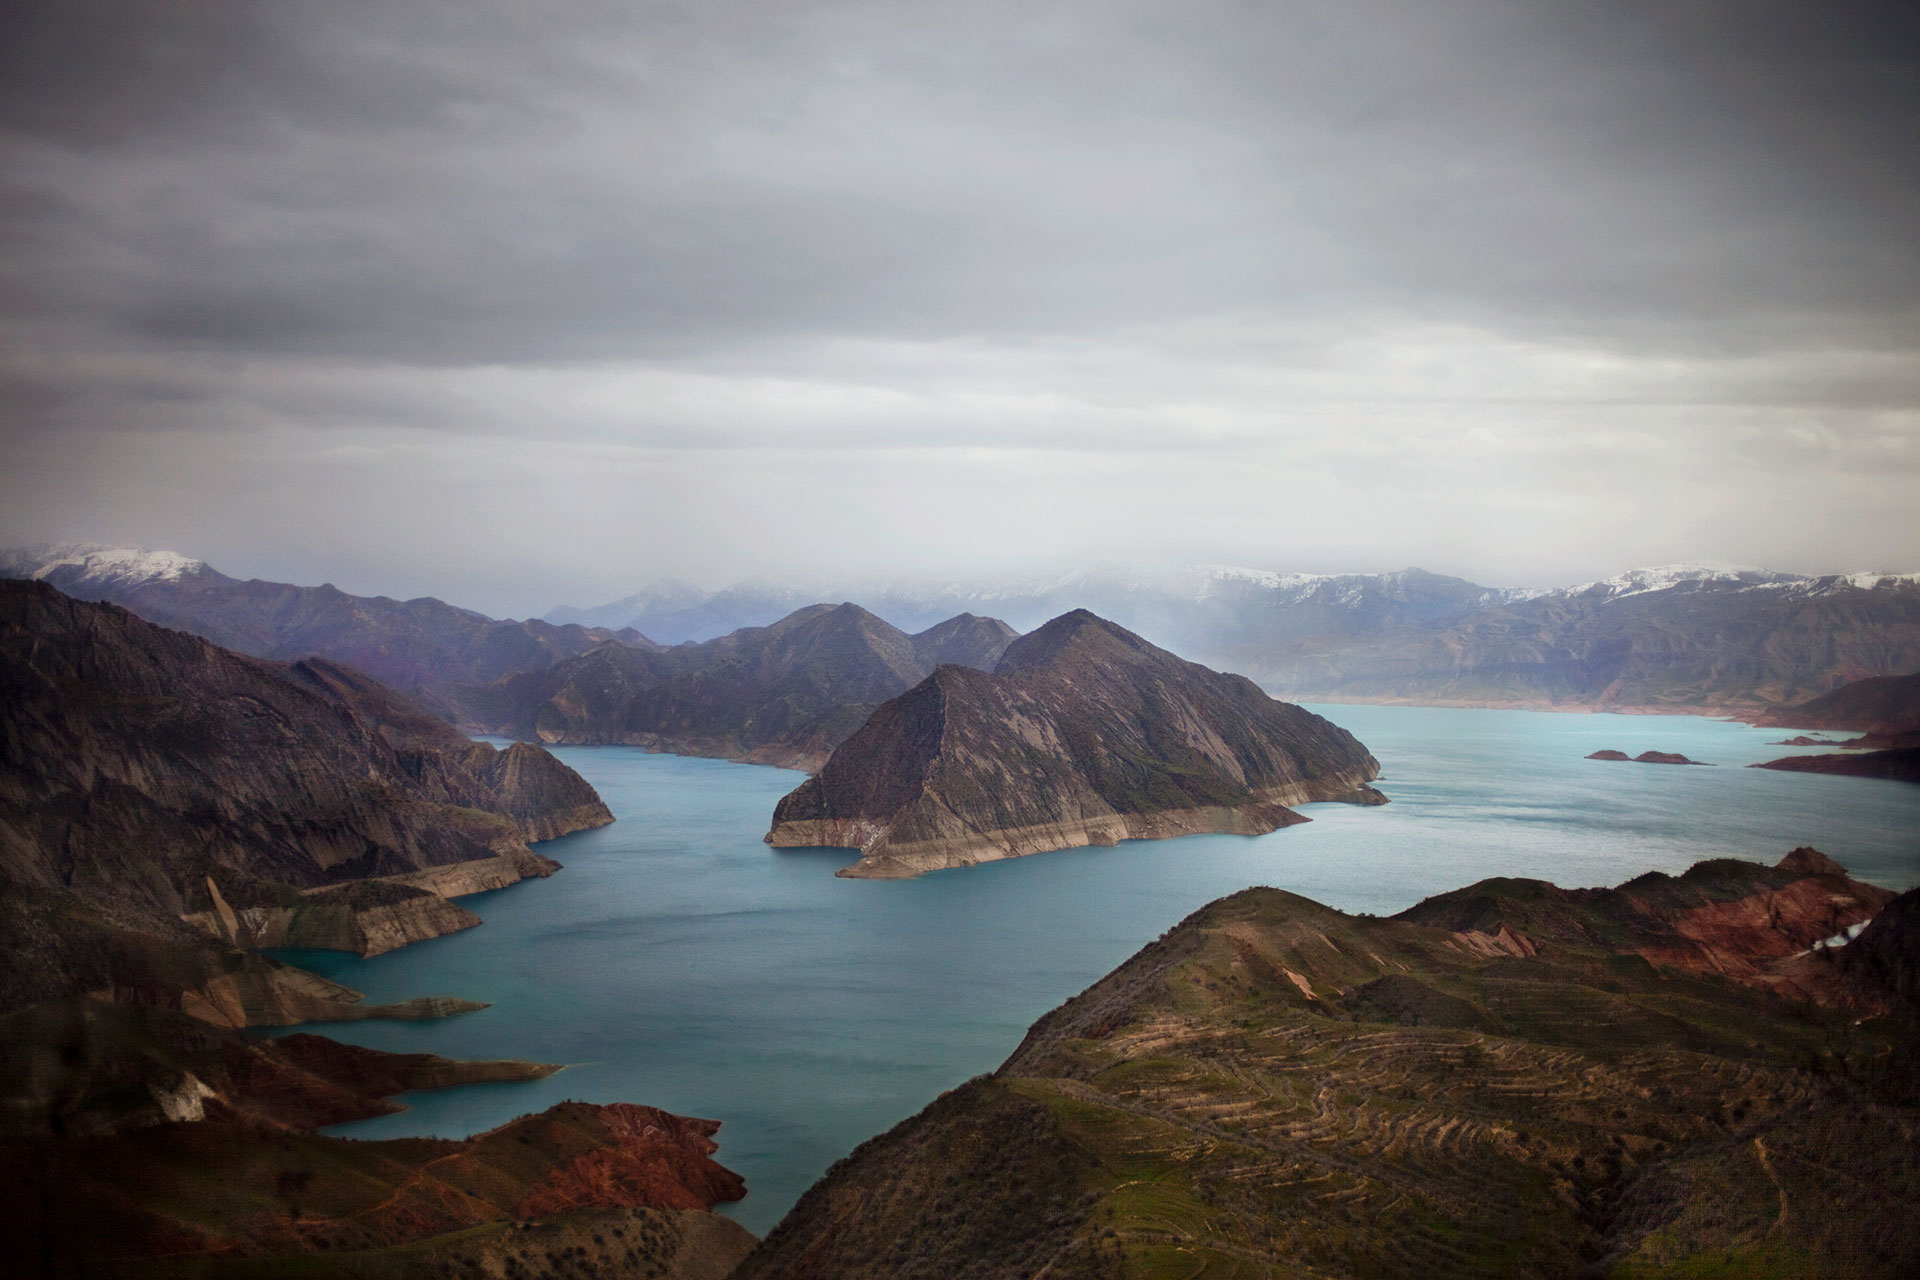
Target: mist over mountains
[1685, 637]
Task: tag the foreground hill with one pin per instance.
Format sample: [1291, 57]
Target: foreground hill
[156, 787]
[409, 644]
[1511, 1080]
[786, 694]
[1083, 734]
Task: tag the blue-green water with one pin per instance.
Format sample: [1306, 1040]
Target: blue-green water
[680, 962]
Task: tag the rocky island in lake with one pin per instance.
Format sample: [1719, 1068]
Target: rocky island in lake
[1645, 757]
[1083, 733]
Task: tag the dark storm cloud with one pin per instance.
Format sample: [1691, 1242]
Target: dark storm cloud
[1609, 238]
[463, 183]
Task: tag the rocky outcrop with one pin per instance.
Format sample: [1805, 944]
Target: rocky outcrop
[369, 916]
[1885, 957]
[784, 694]
[1734, 919]
[1084, 734]
[314, 1202]
[1645, 757]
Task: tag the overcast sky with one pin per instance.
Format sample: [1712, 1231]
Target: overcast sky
[520, 304]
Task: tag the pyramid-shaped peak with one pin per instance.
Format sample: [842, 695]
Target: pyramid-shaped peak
[1081, 632]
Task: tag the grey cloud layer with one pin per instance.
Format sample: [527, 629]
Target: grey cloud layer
[1113, 230]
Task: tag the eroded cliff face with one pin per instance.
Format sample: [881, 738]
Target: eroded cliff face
[1084, 734]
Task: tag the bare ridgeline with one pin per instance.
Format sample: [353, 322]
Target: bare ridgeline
[1511, 1079]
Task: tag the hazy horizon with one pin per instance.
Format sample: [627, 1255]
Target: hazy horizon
[527, 308]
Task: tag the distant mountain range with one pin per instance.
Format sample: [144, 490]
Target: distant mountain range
[409, 644]
[784, 694]
[1688, 637]
[1692, 637]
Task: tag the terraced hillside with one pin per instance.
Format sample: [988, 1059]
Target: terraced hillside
[1512, 1080]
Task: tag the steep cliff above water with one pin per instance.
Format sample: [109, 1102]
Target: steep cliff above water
[148, 776]
[1083, 734]
[1512, 1079]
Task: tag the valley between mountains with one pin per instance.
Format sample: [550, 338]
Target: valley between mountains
[1681, 1074]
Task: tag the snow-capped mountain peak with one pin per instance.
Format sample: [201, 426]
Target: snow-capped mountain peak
[1665, 576]
[99, 565]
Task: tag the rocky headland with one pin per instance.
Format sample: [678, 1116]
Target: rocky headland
[1511, 1079]
[1884, 711]
[1083, 734]
[1899, 764]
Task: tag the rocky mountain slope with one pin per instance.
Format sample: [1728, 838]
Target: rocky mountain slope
[784, 694]
[152, 783]
[1083, 734]
[1510, 1080]
[410, 644]
[165, 806]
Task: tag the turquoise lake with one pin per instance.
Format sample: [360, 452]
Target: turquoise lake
[680, 962]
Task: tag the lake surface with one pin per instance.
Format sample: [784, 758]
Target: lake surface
[680, 962]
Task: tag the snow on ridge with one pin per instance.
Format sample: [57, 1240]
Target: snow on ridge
[1868, 581]
[1664, 576]
[121, 566]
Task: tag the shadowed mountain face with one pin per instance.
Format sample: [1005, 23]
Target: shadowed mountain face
[1884, 710]
[784, 694]
[409, 644]
[1510, 1080]
[147, 775]
[1083, 734]
[1881, 706]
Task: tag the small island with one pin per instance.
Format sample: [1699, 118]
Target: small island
[1647, 757]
